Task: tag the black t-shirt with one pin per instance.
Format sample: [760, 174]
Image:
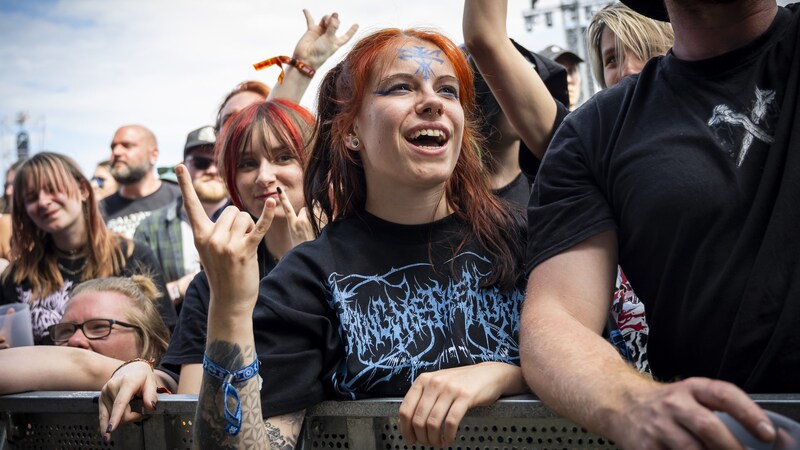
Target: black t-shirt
[49, 310]
[690, 164]
[517, 192]
[123, 215]
[369, 305]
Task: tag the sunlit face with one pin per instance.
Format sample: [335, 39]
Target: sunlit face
[265, 165]
[133, 155]
[206, 179]
[103, 183]
[56, 213]
[237, 103]
[615, 66]
[573, 79]
[122, 343]
[410, 123]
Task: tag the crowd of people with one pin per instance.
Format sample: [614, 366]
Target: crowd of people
[448, 227]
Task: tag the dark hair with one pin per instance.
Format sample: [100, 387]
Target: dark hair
[287, 121]
[334, 179]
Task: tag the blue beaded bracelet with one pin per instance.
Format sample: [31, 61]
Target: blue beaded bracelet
[234, 418]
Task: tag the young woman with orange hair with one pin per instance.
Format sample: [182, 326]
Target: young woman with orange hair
[60, 239]
[412, 289]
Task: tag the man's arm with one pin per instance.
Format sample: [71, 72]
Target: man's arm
[519, 90]
[579, 374]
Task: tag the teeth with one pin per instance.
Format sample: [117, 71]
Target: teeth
[438, 134]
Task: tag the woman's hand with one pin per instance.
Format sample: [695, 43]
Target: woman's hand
[437, 401]
[228, 249]
[300, 229]
[134, 379]
[320, 41]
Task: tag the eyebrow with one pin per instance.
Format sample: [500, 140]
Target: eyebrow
[411, 76]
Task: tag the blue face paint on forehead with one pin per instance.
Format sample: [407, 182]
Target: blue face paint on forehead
[424, 58]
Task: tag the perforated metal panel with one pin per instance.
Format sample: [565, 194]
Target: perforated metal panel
[68, 420]
[63, 431]
[473, 434]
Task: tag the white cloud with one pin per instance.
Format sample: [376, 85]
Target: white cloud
[82, 68]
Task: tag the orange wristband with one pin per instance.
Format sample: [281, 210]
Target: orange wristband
[304, 68]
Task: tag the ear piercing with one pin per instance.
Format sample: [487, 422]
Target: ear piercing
[354, 142]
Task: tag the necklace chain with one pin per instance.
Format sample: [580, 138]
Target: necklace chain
[72, 272]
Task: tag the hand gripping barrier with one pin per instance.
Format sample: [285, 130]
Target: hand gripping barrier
[68, 420]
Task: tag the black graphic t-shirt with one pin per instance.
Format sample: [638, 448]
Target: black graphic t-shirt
[694, 165]
[369, 305]
[49, 310]
[123, 215]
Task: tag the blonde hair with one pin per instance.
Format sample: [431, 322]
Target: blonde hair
[153, 336]
[642, 36]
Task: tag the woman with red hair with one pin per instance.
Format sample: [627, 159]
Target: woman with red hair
[412, 289]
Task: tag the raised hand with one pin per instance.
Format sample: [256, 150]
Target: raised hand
[437, 401]
[320, 41]
[228, 248]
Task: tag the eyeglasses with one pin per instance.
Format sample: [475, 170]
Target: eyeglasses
[92, 329]
[199, 162]
[99, 181]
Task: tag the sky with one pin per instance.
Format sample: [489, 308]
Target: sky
[82, 68]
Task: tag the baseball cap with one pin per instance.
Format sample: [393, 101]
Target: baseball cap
[554, 52]
[202, 136]
[653, 9]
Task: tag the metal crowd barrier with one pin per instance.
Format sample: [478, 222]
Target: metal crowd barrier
[68, 420]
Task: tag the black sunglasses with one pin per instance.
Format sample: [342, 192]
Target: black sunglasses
[92, 329]
[199, 162]
[99, 181]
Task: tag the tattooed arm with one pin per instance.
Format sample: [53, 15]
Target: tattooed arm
[283, 430]
[228, 252]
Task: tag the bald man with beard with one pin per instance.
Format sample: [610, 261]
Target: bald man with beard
[134, 152]
[687, 176]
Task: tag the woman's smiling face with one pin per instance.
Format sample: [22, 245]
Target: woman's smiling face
[410, 124]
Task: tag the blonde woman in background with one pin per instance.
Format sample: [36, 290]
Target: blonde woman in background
[116, 319]
[620, 41]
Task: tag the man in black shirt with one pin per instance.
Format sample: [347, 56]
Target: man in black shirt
[683, 175]
[134, 152]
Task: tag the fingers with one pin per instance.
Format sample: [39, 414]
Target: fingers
[454, 416]
[309, 20]
[288, 209]
[194, 209]
[722, 396]
[347, 36]
[264, 222]
[332, 25]
[407, 411]
[120, 405]
[150, 393]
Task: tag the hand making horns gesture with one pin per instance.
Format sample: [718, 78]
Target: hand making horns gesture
[228, 247]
